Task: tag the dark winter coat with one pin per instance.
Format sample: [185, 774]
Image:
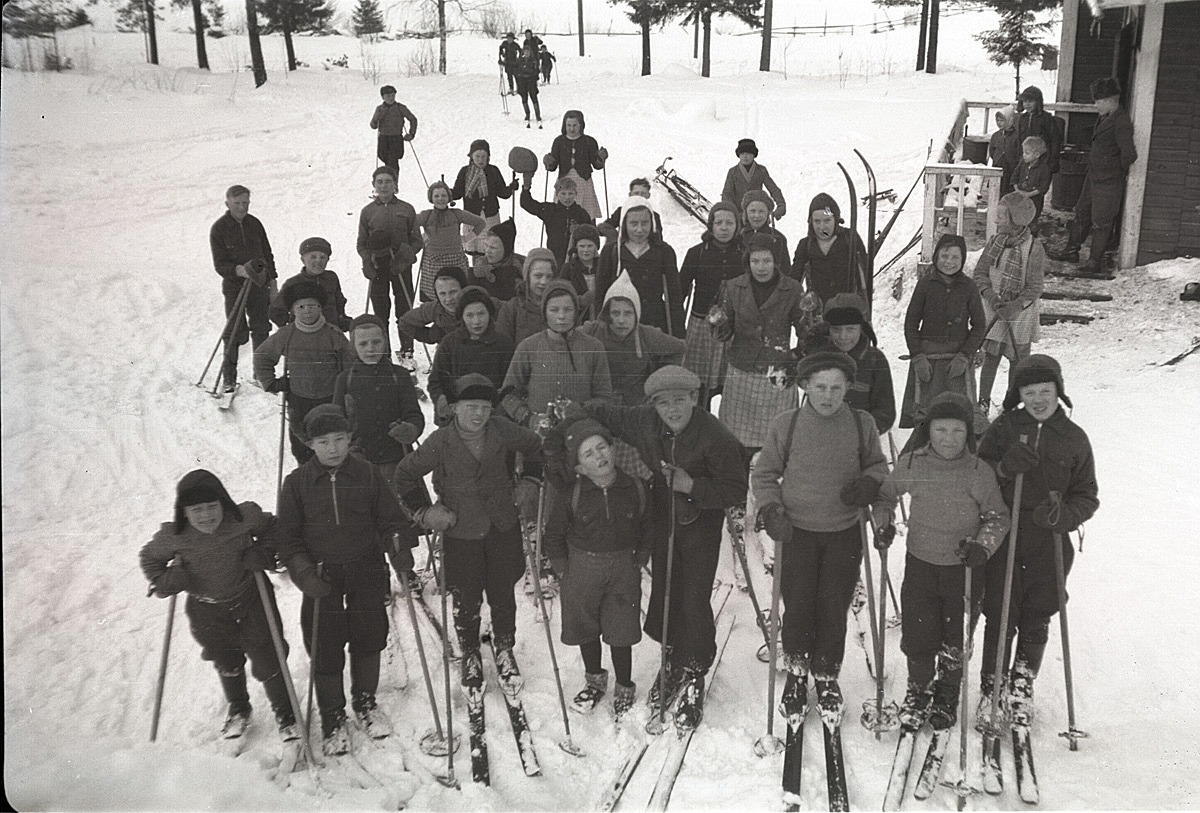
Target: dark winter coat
[428, 323]
[828, 275]
[314, 360]
[945, 316]
[398, 220]
[499, 280]
[762, 334]
[1112, 147]
[1037, 175]
[389, 119]
[872, 390]
[601, 520]
[581, 155]
[375, 396]
[559, 220]
[738, 182]
[632, 359]
[708, 265]
[510, 52]
[334, 312]
[479, 492]
[497, 188]
[650, 274]
[458, 355]
[235, 244]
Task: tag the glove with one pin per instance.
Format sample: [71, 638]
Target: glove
[411, 136]
[774, 520]
[958, 365]
[603, 154]
[173, 580]
[884, 536]
[403, 432]
[922, 368]
[548, 162]
[436, 518]
[404, 252]
[642, 556]
[515, 408]
[370, 269]
[402, 558]
[559, 566]
[972, 553]
[1019, 459]
[780, 210]
[310, 582]
[860, 493]
[279, 385]
[1053, 515]
[256, 557]
[516, 185]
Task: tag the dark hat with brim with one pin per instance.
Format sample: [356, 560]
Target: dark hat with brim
[822, 360]
[671, 378]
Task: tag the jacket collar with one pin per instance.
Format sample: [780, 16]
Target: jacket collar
[351, 468]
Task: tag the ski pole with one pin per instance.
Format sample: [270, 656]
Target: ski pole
[895, 462]
[450, 780]
[512, 199]
[881, 655]
[567, 745]
[312, 653]
[268, 607]
[418, 160]
[238, 305]
[862, 527]
[162, 668]
[1073, 734]
[282, 435]
[604, 174]
[666, 617]
[666, 303]
[962, 789]
[367, 305]
[545, 195]
[769, 743]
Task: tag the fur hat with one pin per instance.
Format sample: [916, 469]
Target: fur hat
[1020, 209]
[760, 196]
[746, 145]
[474, 387]
[438, 184]
[1105, 88]
[580, 431]
[573, 114]
[324, 419]
[821, 360]
[471, 294]
[670, 379]
[201, 486]
[480, 144]
[316, 244]
[1036, 369]
[368, 320]
[507, 232]
[386, 89]
[823, 201]
[849, 309]
[724, 206]
[948, 240]
[946, 405]
[305, 289]
[584, 231]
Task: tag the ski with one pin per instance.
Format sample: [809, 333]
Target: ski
[225, 399]
[901, 767]
[872, 207]
[1195, 345]
[993, 775]
[793, 760]
[835, 768]
[1027, 786]
[480, 771]
[661, 796]
[857, 603]
[931, 768]
[853, 270]
[520, 725]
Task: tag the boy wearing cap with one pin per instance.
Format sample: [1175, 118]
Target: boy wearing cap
[597, 542]
[388, 242]
[820, 466]
[389, 119]
[241, 251]
[430, 321]
[560, 216]
[314, 254]
[476, 513]
[850, 332]
[822, 259]
[957, 521]
[748, 174]
[314, 352]
[698, 464]
[473, 347]
[210, 552]
[337, 516]
[1034, 437]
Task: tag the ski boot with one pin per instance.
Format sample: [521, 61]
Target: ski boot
[690, 710]
[653, 700]
[374, 722]
[405, 359]
[830, 704]
[281, 705]
[915, 709]
[591, 694]
[237, 717]
[984, 723]
[472, 670]
[794, 700]
[335, 739]
[943, 712]
[288, 730]
[509, 675]
[1020, 694]
[623, 697]
[735, 523]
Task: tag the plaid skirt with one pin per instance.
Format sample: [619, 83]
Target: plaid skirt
[749, 402]
[705, 355]
[431, 264]
[585, 194]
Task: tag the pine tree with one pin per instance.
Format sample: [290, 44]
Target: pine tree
[702, 11]
[645, 13]
[199, 24]
[131, 16]
[214, 13]
[367, 19]
[289, 16]
[1013, 42]
[258, 65]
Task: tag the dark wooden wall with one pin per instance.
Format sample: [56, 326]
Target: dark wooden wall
[1095, 58]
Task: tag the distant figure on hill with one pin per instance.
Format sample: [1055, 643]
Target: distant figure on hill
[510, 56]
[389, 120]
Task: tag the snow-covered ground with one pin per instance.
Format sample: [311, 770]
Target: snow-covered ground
[110, 179]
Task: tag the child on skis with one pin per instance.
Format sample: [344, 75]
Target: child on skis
[314, 352]
[581, 265]
[388, 242]
[820, 466]
[757, 209]
[957, 521]
[748, 174]
[847, 330]
[597, 543]
[475, 511]
[314, 254]
[709, 265]
[443, 240]
[389, 119]
[210, 552]
[560, 215]
[473, 347]
[547, 61]
[499, 269]
[1033, 437]
[337, 516]
[822, 260]
[480, 185]
[575, 154]
[651, 265]
[528, 68]
[523, 316]
[430, 321]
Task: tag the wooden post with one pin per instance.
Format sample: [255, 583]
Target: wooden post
[1066, 50]
[580, 4]
[1141, 110]
[764, 58]
[929, 217]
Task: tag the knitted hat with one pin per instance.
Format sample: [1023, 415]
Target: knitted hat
[304, 290]
[559, 287]
[368, 320]
[946, 405]
[471, 294]
[948, 240]
[316, 244]
[438, 184]
[573, 114]
[201, 486]
[814, 363]
[480, 144]
[1009, 114]
[823, 201]
[533, 256]
[386, 89]
[623, 288]
[385, 170]
[671, 378]
[1035, 369]
[1020, 208]
[580, 431]
[565, 183]
[584, 231]
[723, 206]
[325, 419]
[1105, 88]
[507, 232]
[746, 145]
[759, 196]
[474, 387]
[637, 202]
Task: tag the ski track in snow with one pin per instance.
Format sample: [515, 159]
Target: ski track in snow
[110, 181]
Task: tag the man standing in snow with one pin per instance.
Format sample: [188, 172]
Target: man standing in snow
[510, 54]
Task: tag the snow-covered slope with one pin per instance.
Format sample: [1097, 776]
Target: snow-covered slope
[110, 179]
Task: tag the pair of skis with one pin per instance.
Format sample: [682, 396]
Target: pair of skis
[931, 766]
[1023, 767]
[480, 768]
[793, 762]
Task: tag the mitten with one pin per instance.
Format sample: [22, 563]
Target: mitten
[780, 210]
[403, 432]
[1054, 515]
[1010, 310]
[548, 162]
[256, 557]
[515, 185]
[404, 252]
[603, 154]
[436, 518]
[642, 556]
[958, 365]
[442, 410]
[402, 559]
[305, 576]
[173, 580]
[860, 493]
[1019, 459]
[279, 385]
[922, 368]
[884, 536]
[774, 520]
[972, 553]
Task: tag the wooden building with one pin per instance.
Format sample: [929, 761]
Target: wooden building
[1153, 48]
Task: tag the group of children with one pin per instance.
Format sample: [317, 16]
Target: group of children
[584, 368]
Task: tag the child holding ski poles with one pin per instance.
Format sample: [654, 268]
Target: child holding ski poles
[575, 154]
[211, 552]
[314, 254]
[388, 119]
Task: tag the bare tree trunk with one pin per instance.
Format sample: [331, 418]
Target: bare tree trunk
[580, 27]
[256, 54]
[645, 47]
[696, 38]
[706, 63]
[921, 35]
[150, 31]
[442, 37]
[198, 25]
[1018, 79]
[764, 59]
[931, 56]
